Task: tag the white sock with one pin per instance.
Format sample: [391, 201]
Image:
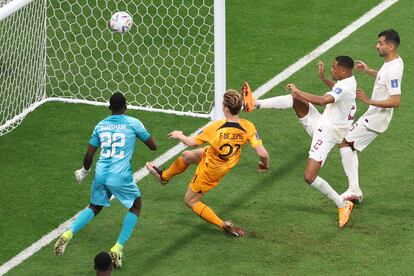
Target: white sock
[322, 186]
[350, 164]
[279, 102]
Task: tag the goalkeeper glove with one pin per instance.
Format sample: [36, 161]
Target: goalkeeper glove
[81, 174]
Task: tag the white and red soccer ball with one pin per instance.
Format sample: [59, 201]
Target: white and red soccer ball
[121, 22]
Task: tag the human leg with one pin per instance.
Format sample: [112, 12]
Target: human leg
[249, 102]
[350, 164]
[278, 102]
[311, 177]
[358, 138]
[203, 181]
[192, 200]
[178, 166]
[99, 198]
[130, 220]
[81, 221]
[130, 197]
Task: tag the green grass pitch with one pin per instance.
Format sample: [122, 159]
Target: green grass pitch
[291, 229]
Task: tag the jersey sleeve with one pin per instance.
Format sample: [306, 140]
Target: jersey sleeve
[140, 130]
[254, 138]
[337, 92]
[394, 78]
[205, 135]
[94, 141]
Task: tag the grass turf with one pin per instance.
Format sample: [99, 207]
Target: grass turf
[291, 228]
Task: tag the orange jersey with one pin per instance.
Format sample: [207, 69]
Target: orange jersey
[226, 140]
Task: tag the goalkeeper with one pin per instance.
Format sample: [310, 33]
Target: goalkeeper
[116, 135]
[225, 138]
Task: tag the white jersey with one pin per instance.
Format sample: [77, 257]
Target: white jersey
[387, 83]
[339, 115]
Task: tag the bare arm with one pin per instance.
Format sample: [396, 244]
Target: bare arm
[393, 101]
[88, 159]
[314, 99]
[150, 143]
[321, 69]
[179, 135]
[363, 67]
[264, 162]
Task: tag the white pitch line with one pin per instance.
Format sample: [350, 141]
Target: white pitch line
[48, 238]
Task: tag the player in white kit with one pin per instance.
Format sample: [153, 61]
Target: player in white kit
[385, 97]
[327, 129]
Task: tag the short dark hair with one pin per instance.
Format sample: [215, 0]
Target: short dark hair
[117, 102]
[233, 101]
[103, 261]
[345, 61]
[391, 35]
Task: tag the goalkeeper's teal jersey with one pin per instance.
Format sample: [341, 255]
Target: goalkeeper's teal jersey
[116, 135]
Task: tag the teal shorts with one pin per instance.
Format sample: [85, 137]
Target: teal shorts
[126, 194]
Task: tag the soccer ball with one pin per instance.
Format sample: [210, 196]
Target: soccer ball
[120, 22]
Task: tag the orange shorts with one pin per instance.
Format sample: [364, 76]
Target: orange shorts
[205, 179]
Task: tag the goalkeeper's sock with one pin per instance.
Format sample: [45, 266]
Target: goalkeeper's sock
[207, 214]
[350, 164]
[279, 102]
[177, 167]
[322, 186]
[127, 227]
[84, 218]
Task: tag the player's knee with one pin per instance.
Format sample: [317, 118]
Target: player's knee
[95, 208]
[189, 157]
[344, 144]
[136, 206]
[309, 176]
[189, 202]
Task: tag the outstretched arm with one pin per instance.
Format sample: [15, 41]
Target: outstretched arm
[264, 162]
[179, 135]
[321, 69]
[393, 101]
[314, 99]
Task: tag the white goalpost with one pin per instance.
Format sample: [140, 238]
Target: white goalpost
[22, 59]
[172, 60]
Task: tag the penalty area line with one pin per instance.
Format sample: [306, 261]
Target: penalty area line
[48, 238]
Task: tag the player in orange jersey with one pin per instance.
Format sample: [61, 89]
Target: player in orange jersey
[225, 138]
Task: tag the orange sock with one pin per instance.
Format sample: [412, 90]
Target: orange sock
[176, 168]
[207, 214]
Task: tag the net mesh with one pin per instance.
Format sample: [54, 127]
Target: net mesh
[22, 63]
[166, 61]
[65, 49]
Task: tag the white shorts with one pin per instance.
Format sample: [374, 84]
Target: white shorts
[360, 136]
[311, 120]
[322, 140]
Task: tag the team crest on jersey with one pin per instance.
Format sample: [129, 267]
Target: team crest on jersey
[338, 90]
[394, 83]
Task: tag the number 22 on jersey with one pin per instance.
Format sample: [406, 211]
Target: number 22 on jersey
[109, 144]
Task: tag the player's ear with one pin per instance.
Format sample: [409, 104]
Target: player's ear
[226, 110]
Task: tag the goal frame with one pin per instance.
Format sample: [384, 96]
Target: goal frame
[219, 70]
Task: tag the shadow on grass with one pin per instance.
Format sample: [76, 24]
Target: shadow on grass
[255, 189]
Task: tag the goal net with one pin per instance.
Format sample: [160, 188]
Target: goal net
[64, 50]
[22, 66]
